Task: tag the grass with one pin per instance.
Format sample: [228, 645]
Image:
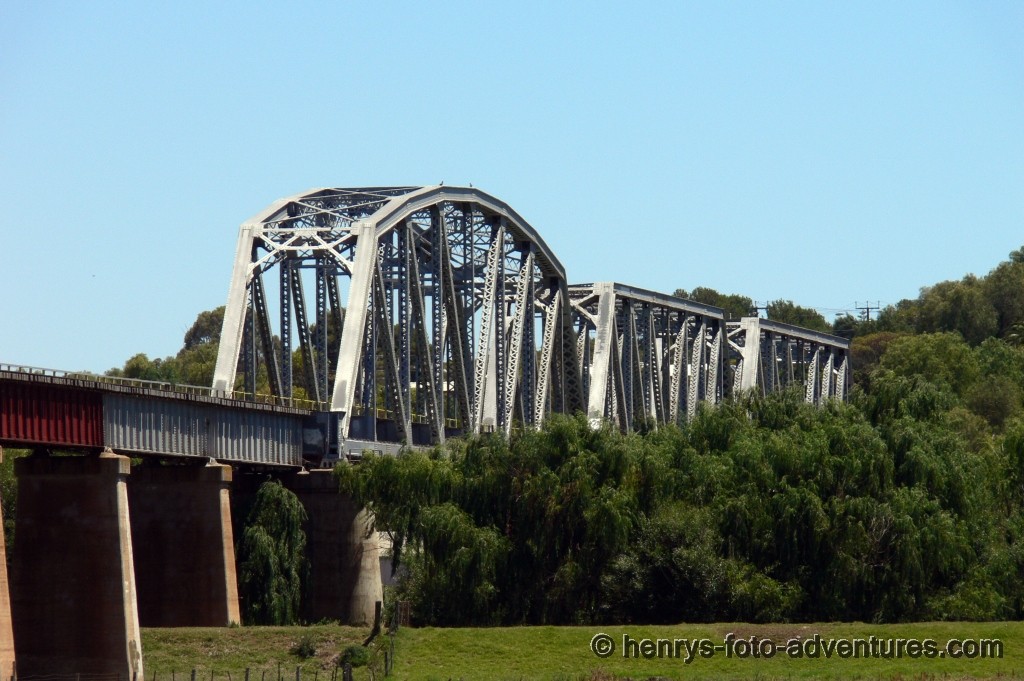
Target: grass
[564, 654]
[263, 650]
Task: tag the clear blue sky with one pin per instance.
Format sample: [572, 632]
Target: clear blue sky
[822, 152]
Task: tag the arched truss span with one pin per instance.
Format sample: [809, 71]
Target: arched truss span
[457, 316]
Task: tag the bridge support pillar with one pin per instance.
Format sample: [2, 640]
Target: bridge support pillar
[184, 545]
[73, 595]
[6, 628]
[343, 552]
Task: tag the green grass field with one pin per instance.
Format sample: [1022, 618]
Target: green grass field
[173, 653]
[564, 653]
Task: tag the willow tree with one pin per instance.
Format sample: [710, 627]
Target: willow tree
[271, 556]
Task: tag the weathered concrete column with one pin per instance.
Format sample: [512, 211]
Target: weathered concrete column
[344, 566]
[73, 581]
[6, 630]
[183, 544]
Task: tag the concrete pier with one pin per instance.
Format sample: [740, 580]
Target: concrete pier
[183, 544]
[6, 628]
[344, 565]
[73, 579]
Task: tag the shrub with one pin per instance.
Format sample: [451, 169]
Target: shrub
[357, 656]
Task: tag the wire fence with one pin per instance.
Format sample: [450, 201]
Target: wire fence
[281, 673]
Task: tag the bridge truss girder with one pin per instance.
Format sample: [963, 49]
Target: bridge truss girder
[457, 316]
[768, 356]
[645, 357]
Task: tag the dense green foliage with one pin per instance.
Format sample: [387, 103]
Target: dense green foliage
[271, 557]
[759, 510]
[907, 503]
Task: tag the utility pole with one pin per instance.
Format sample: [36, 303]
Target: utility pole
[756, 309]
[865, 310]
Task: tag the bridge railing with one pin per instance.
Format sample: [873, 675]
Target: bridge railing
[166, 386]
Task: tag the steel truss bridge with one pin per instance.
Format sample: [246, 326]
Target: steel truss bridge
[361, 319]
[458, 318]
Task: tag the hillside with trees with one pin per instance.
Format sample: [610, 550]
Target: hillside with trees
[906, 503]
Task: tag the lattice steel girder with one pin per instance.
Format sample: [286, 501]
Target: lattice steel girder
[817, 361]
[475, 262]
[654, 356]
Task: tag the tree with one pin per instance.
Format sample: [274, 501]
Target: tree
[788, 312]
[1004, 288]
[271, 555]
[943, 358]
[140, 366]
[899, 318]
[867, 351]
[849, 326]
[206, 329]
[959, 306]
[735, 305]
[508, 531]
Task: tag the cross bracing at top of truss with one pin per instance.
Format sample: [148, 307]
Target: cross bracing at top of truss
[417, 312]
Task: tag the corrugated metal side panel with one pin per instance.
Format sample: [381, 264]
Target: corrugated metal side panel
[144, 424]
[50, 415]
[256, 437]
